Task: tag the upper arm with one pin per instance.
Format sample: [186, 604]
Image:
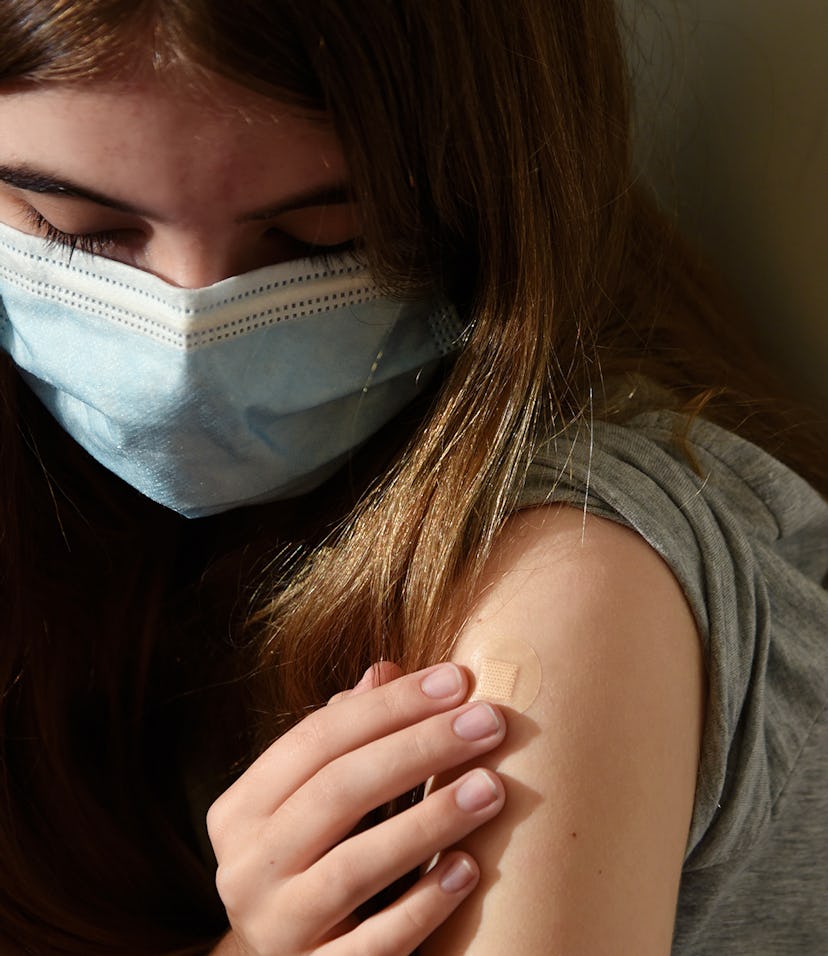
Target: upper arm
[600, 770]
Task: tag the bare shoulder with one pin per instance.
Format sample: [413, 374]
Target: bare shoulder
[583, 635]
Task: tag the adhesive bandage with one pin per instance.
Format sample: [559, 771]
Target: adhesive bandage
[506, 671]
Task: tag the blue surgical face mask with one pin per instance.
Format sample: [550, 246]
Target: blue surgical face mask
[250, 390]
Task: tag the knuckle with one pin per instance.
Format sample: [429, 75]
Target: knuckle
[415, 917]
[396, 705]
[419, 919]
[253, 921]
[344, 879]
[432, 825]
[425, 745]
[216, 819]
[315, 900]
[230, 888]
[336, 788]
[389, 706]
[260, 937]
[310, 735]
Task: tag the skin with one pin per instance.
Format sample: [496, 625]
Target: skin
[597, 776]
[600, 771]
[208, 176]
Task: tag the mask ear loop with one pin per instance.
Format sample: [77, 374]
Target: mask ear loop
[372, 372]
[448, 334]
[376, 362]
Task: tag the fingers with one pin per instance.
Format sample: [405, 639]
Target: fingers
[377, 674]
[360, 867]
[289, 873]
[354, 784]
[330, 732]
[401, 927]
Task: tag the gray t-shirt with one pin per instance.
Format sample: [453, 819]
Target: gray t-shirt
[748, 541]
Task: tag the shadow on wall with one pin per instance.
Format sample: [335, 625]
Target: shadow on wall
[732, 103]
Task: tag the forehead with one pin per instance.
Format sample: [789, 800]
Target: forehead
[159, 146]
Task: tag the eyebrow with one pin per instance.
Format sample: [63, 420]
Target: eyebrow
[36, 181]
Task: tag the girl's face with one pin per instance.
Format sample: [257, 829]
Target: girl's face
[194, 187]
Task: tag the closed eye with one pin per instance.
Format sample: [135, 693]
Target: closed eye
[112, 243]
[94, 243]
[320, 250]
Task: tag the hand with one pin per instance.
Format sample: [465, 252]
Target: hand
[289, 874]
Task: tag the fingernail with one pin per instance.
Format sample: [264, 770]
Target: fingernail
[475, 724]
[444, 681]
[476, 792]
[457, 876]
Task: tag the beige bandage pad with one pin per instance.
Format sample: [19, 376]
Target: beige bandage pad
[506, 671]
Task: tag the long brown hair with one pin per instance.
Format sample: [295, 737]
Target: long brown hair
[489, 149]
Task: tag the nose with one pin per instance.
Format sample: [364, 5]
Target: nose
[193, 262]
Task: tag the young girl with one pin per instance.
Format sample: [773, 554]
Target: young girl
[339, 334]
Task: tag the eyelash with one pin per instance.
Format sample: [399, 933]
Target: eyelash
[94, 243]
[100, 243]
